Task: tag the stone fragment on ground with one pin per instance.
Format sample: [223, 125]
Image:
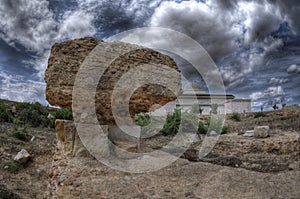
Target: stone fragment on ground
[261, 131]
[22, 157]
[249, 133]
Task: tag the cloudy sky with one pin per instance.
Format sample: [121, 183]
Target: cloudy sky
[255, 44]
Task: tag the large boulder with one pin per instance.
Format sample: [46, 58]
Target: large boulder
[66, 59]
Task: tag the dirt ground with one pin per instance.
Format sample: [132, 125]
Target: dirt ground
[237, 167]
[30, 180]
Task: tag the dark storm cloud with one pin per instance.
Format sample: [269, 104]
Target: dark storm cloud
[205, 24]
[262, 20]
[291, 10]
[228, 4]
[236, 34]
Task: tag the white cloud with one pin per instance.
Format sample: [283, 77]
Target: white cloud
[257, 95]
[275, 91]
[275, 80]
[16, 88]
[270, 92]
[73, 26]
[29, 23]
[32, 24]
[293, 68]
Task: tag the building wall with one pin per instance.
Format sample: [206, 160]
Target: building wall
[185, 104]
[232, 106]
[238, 106]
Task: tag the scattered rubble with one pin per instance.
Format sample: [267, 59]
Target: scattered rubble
[22, 157]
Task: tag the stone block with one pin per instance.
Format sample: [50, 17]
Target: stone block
[261, 131]
[68, 140]
[66, 59]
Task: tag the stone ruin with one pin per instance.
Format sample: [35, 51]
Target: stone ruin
[74, 174]
[63, 67]
[65, 61]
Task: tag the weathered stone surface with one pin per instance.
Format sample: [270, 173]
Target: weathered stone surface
[22, 157]
[68, 141]
[90, 179]
[66, 59]
[261, 131]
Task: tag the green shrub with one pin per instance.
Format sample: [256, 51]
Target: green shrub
[143, 120]
[5, 114]
[34, 115]
[21, 134]
[202, 128]
[63, 114]
[31, 117]
[215, 124]
[236, 117]
[180, 121]
[259, 114]
[225, 130]
[172, 123]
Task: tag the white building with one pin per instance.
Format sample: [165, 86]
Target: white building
[225, 104]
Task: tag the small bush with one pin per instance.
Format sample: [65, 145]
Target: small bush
[236, 117]
[34, 115]
[215, 124]
[5, 114]
[185, 122]
[259, 114]
[21, 134]
[202, 128]
[172, 123]
[143, 120]
[225, 130]
[63, 114]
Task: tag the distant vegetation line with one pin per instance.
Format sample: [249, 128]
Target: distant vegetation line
[31, 114]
